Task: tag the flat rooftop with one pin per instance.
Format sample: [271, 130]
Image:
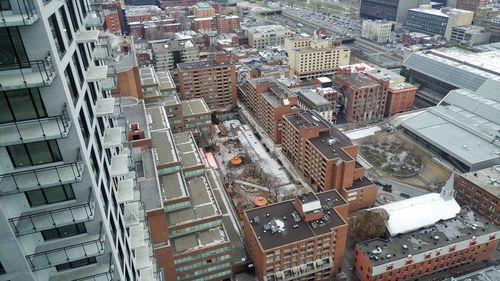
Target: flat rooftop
[308, 119]
[158, 117]
[164, 149]
[172, 45]
[313, 97]
[205, 238]
[359, 183]
[487, 179]
[194, 107]
[267, 28]
[444, 12]
[448, 232]
[283, 211]
[148, 75]
[187, 150]
[331, 144]
[201, 65]
[357, 80]
[172, 186]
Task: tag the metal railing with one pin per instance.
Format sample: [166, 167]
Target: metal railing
[44, 67]
[24, 8]
[43, 177]
[94, 18]
[25, 127]
[103, 276]
[47, 259]
[33, 223]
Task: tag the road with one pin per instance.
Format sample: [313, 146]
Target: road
[398, 188]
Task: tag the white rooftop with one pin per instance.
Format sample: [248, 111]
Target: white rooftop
[422, 211]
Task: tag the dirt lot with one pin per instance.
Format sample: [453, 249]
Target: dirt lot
[395, 155]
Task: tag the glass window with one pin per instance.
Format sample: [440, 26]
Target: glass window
[12, 47]
[64, 231]
[35, 153]
[56, 35]
[83, 125]
[19, 155]
[67, 27]
[70, 80]
[39, 152]
[76, 264]
[74, 20]
[50, 195]
[2, 269]
[78, 67]
[83, 55]
[90, 108]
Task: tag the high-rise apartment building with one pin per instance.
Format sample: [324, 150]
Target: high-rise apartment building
[325, 157]
[392, 10]
[212, 80]
[441, 22]
[167, 54]
[316, 57]
[364, 98]
[299, 239]
[267, 35]
[268, 100]
[67, 181]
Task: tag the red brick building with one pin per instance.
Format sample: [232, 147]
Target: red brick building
[227, 24]
[480, 190]
[364, 98]
[212, 80]
[268, 100]
[400, 95]
[177, 3]
[447, 245]
[300, 239]
[326, 158]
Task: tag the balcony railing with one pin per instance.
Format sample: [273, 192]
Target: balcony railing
[104, 276]
[28, 74]
[94, 18]
[17, 13]
[53, 127]
[47, 259]
[33, 223]
[103, 49]
[42, 177]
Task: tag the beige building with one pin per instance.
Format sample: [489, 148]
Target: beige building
[316, 57]
[167, 54]
[377, 30]
[432, 21]
[267, 35]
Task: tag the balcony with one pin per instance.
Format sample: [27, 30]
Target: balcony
[128, 191]
[121, 164]
[53, 127]
[87, 36]
[32, 223]
[30, 74]
[107, 107]
[18, 13]
[297, 272]
[97, 73]
[47, 256]
[139, 235]
[95, 18]
[108, 84]
[43, 177]
[133, 213]
[103, 49]
[114, 137]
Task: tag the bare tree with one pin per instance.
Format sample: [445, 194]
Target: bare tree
[368, 224]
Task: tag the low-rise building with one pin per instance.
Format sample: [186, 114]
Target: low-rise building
[268, 100]
[481, 191]
[364, 98]
[431, 21]
[212, 80]
[326, 158]
[378, 30]
[428, 234]
[267, 35]
[203, 9]
[312, 99]
[470, 35]
[302, 238]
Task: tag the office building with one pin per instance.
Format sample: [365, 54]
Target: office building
[326, 158]
[302, 238]
[470, 35]
[472, 140]
[400, 94]
[266, 35]
[66, 176]
[437, 22]
[364, 98]
[428, 234]
[187, 230]
[167, 54]
[212, 80]
[471, 69]
[470, 5]
[377, 30]
[480, 191]
[268, 100]
[313, 99]
[317, 57]
[203, 10]
[392, 10]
